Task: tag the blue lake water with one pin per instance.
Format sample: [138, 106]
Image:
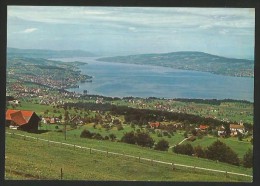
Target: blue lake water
[121, 80]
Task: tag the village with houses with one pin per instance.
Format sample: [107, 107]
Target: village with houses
[40, 105]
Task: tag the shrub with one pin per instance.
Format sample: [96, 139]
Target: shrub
[112, 137]
[165, 133]
[162, 145]
[144, 139]
[97, 136]
[120, 127]
[200, 135]
[186, 149]
[192, 138]
[152, 131]
[106, 138]
[185, 134]
[86, 134]
[199, 151]
[129, 137]
[248, 159]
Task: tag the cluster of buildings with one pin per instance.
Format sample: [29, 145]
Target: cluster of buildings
[49, 81]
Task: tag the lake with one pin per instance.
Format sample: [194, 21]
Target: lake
[122, 80]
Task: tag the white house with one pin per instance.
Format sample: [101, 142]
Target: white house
[235, 128]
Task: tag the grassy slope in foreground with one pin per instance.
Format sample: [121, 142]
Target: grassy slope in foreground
[32, 159]
[188, 60]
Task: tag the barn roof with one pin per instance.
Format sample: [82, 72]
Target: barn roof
[203, 127]
[157, 124]
[20, 117]
[236, 126]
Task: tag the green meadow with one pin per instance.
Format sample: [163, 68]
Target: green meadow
[32, 159]
[29, 159]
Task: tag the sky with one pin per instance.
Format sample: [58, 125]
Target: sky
[112, 31]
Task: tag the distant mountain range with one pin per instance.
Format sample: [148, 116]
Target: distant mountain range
[38, 53]
[187, 60]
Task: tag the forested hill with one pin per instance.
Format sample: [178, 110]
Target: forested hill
[198, 61]
[37, 53]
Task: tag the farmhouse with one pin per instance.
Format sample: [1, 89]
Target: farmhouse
[235, 128]
[221, 131]
[154, 125]
[204, 127]
[22, 120]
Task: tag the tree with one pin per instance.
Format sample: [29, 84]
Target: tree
[185, 134]
[46, 111]
[97, 136]
[112, 137]
[227, 129]
[221, 152]
[129, 137]
[86, 134]
[120, 127]
[162, 145]
[66, 115]
[199, 152]
[239, 136]
[248, 159]
[144, 139]
[186, 149]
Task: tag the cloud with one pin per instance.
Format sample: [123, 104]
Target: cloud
[133, 29]
[29, 30]
[224, 31]
[141, 17]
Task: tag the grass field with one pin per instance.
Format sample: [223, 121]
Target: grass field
[240, 147]
[36, 160]
[28, 159]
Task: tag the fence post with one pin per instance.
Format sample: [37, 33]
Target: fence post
[139, 159]
[226, 174]
[173, 167]
[90, 150]
[107, 153]
[74, 147]
[61, 173]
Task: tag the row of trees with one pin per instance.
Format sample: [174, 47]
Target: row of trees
[143, 116]
[140, 138]
[217, 151]
[145, 140]
[92, 135]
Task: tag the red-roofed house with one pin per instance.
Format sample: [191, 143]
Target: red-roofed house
[203, 127]
[154, 125]
[22, 120]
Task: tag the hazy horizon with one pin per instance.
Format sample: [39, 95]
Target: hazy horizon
[108, 31]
